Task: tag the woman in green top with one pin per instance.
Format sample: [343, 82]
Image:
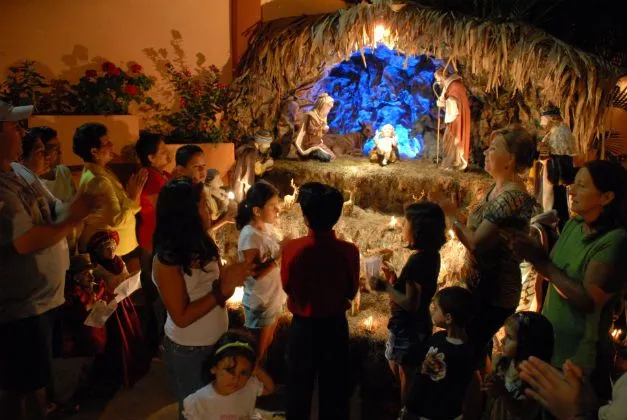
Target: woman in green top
[587, 267]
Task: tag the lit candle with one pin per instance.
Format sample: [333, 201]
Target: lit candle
[236, 299]
[451, 234]
[392, 224]
[616, 334]
[369, 324]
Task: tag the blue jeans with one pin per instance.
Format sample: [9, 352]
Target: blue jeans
[184, 365]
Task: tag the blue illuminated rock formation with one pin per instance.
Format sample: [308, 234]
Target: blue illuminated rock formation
[385, 92]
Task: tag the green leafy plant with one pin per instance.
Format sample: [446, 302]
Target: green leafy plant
[23, 84]
[201, 97]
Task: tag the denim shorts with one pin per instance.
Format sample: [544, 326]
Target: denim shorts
[260, 318]
[403, 349]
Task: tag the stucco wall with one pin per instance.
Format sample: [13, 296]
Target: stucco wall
[276, 9]
[68, 36]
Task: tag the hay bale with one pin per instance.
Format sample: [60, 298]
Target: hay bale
[387, 189]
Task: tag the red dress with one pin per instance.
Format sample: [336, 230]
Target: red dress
[147, 216]
[80, 340]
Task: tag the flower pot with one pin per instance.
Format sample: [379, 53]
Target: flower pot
[123, 131]
[220, 156]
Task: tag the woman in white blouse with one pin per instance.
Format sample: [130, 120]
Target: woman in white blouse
[192, 283]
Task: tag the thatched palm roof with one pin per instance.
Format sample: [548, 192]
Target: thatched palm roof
[287, 55]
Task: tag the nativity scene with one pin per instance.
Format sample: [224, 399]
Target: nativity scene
[383, 210]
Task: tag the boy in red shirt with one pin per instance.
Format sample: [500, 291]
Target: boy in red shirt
[320, 275]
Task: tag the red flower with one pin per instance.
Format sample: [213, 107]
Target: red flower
[214, 69]
[136, 68]
[182, 101]
[108, 66]
[91, 74]
[115, 72]
[131, 89]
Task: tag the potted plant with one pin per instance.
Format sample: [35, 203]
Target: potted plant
[23, 85]
[104, 96]
[200, 102]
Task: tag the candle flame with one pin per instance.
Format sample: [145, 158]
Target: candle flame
[230, 195]
[616, 333]
[236, 299]
[393, 222]
[369, 323]
[451, 234]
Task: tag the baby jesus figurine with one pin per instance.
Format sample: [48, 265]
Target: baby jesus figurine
[385, 146]
[102, 248]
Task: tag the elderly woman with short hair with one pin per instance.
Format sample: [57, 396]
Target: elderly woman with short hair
[495, 273]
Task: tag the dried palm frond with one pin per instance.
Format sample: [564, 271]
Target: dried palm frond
[287, 54]
[616, 143]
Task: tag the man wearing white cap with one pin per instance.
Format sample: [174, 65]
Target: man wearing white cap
[33, 260]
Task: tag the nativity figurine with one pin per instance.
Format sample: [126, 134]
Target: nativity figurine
[253, 158]
[350, 144]
[385, 148]
[222, 208]
[555, 169]
[309, 143]
[454, 101]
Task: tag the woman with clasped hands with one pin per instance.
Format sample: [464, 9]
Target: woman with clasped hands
[193, 284]
[586, 270]
[495, 277]
[91, 142]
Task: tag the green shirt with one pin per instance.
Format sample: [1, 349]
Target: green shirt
[576, 333]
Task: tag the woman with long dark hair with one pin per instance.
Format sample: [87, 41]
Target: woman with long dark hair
[586, 270]
[193, 284]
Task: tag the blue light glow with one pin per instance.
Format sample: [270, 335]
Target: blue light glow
[386, 92]
[408, 147]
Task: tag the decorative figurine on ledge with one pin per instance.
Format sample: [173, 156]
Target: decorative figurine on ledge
[308, 142]
[555, 168]
[253, 158]
[454, 100]
[385, 146]
[222, 207]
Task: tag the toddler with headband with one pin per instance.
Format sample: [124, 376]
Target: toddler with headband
[235, 383]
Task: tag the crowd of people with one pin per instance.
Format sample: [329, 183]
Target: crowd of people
[66, 249]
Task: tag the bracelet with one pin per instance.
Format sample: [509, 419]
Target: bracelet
[217, 294]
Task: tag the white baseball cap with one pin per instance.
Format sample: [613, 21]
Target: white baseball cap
[9, 112]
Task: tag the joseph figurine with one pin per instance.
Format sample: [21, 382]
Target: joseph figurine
[454, 100]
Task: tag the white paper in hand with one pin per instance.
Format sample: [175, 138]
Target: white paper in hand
[127, 287]
[100, 312]
[373, 265]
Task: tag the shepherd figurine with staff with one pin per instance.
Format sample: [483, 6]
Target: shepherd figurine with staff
[454, 100]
